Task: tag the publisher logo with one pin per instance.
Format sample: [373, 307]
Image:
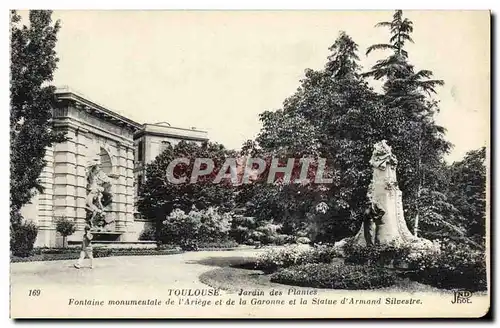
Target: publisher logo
[461, 297]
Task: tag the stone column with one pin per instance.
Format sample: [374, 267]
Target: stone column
[128, 175]
[130, 186]
[82, 140]
[121, 188]
[45, 220]
[65, 177]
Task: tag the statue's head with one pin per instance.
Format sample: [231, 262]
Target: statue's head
[94, 161]
[382, 148]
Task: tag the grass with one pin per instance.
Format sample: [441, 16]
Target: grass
[242, 262]
[233, 279]
[235, 273]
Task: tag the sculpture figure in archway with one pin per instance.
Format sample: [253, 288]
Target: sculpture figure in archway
[99, 194]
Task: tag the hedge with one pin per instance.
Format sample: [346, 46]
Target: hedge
[326, 275]
[73, 253]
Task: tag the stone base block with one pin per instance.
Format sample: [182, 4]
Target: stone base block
[47, 238]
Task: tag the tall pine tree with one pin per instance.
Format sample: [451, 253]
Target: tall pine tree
[409, 125]
[333, 115]
[32, 64]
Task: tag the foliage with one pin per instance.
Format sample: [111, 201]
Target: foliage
[46, 257]
[242, 228]
[323, 275]
[56, 254]
[336, 115]
[275, 259]
[303, 240]
[443, 264]
[159, 197]
[105, 252]
[197, 226]
[455, 205]
[413, 133]
[246, 230]
[390, 254]
[455, 266]
[225, 244]
[149, 233]
[319, 120]
[33, 61]
[22, 238]
[65, 227]
[268, 233]
[467, 192]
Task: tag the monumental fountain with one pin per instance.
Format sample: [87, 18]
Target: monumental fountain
[99, 198]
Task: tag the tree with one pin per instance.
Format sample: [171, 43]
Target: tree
[196, 226]
[32, 64]
[467, 191]
[65, 227]
[333, 115]
[410, 126]
[402, 82]
[158, 196]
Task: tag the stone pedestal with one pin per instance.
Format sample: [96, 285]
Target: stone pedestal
[384, 220]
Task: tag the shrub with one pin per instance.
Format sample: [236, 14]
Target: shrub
[274, 259]
[47, 257]
[102, 252]
[323, 275]
[47, 250]
[246, 230]
[52, 254]
[455, 266]
[280, 239]
[167, 246]
[268, 233]
[443, 265]
[149, 233]
[215, 226]
[188, 230]
[23, 237]
[65, 227]
[181, 228]
[303, 240]
[218, 244]
[366, 255]
[322, 254]
[242, 228]
[394, 253]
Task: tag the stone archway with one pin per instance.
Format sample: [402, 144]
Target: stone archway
[106, 162]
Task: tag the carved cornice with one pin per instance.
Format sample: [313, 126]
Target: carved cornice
[67, 97]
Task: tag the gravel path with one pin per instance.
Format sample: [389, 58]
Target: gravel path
[178, 269]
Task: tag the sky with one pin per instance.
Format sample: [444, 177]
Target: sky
[217, 71]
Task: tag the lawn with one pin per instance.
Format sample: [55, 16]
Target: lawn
[235, 273]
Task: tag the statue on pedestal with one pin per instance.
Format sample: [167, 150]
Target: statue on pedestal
[383, 219]
[98, 197]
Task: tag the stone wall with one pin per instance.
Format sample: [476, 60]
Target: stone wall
[94, 131]
[90, 134]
